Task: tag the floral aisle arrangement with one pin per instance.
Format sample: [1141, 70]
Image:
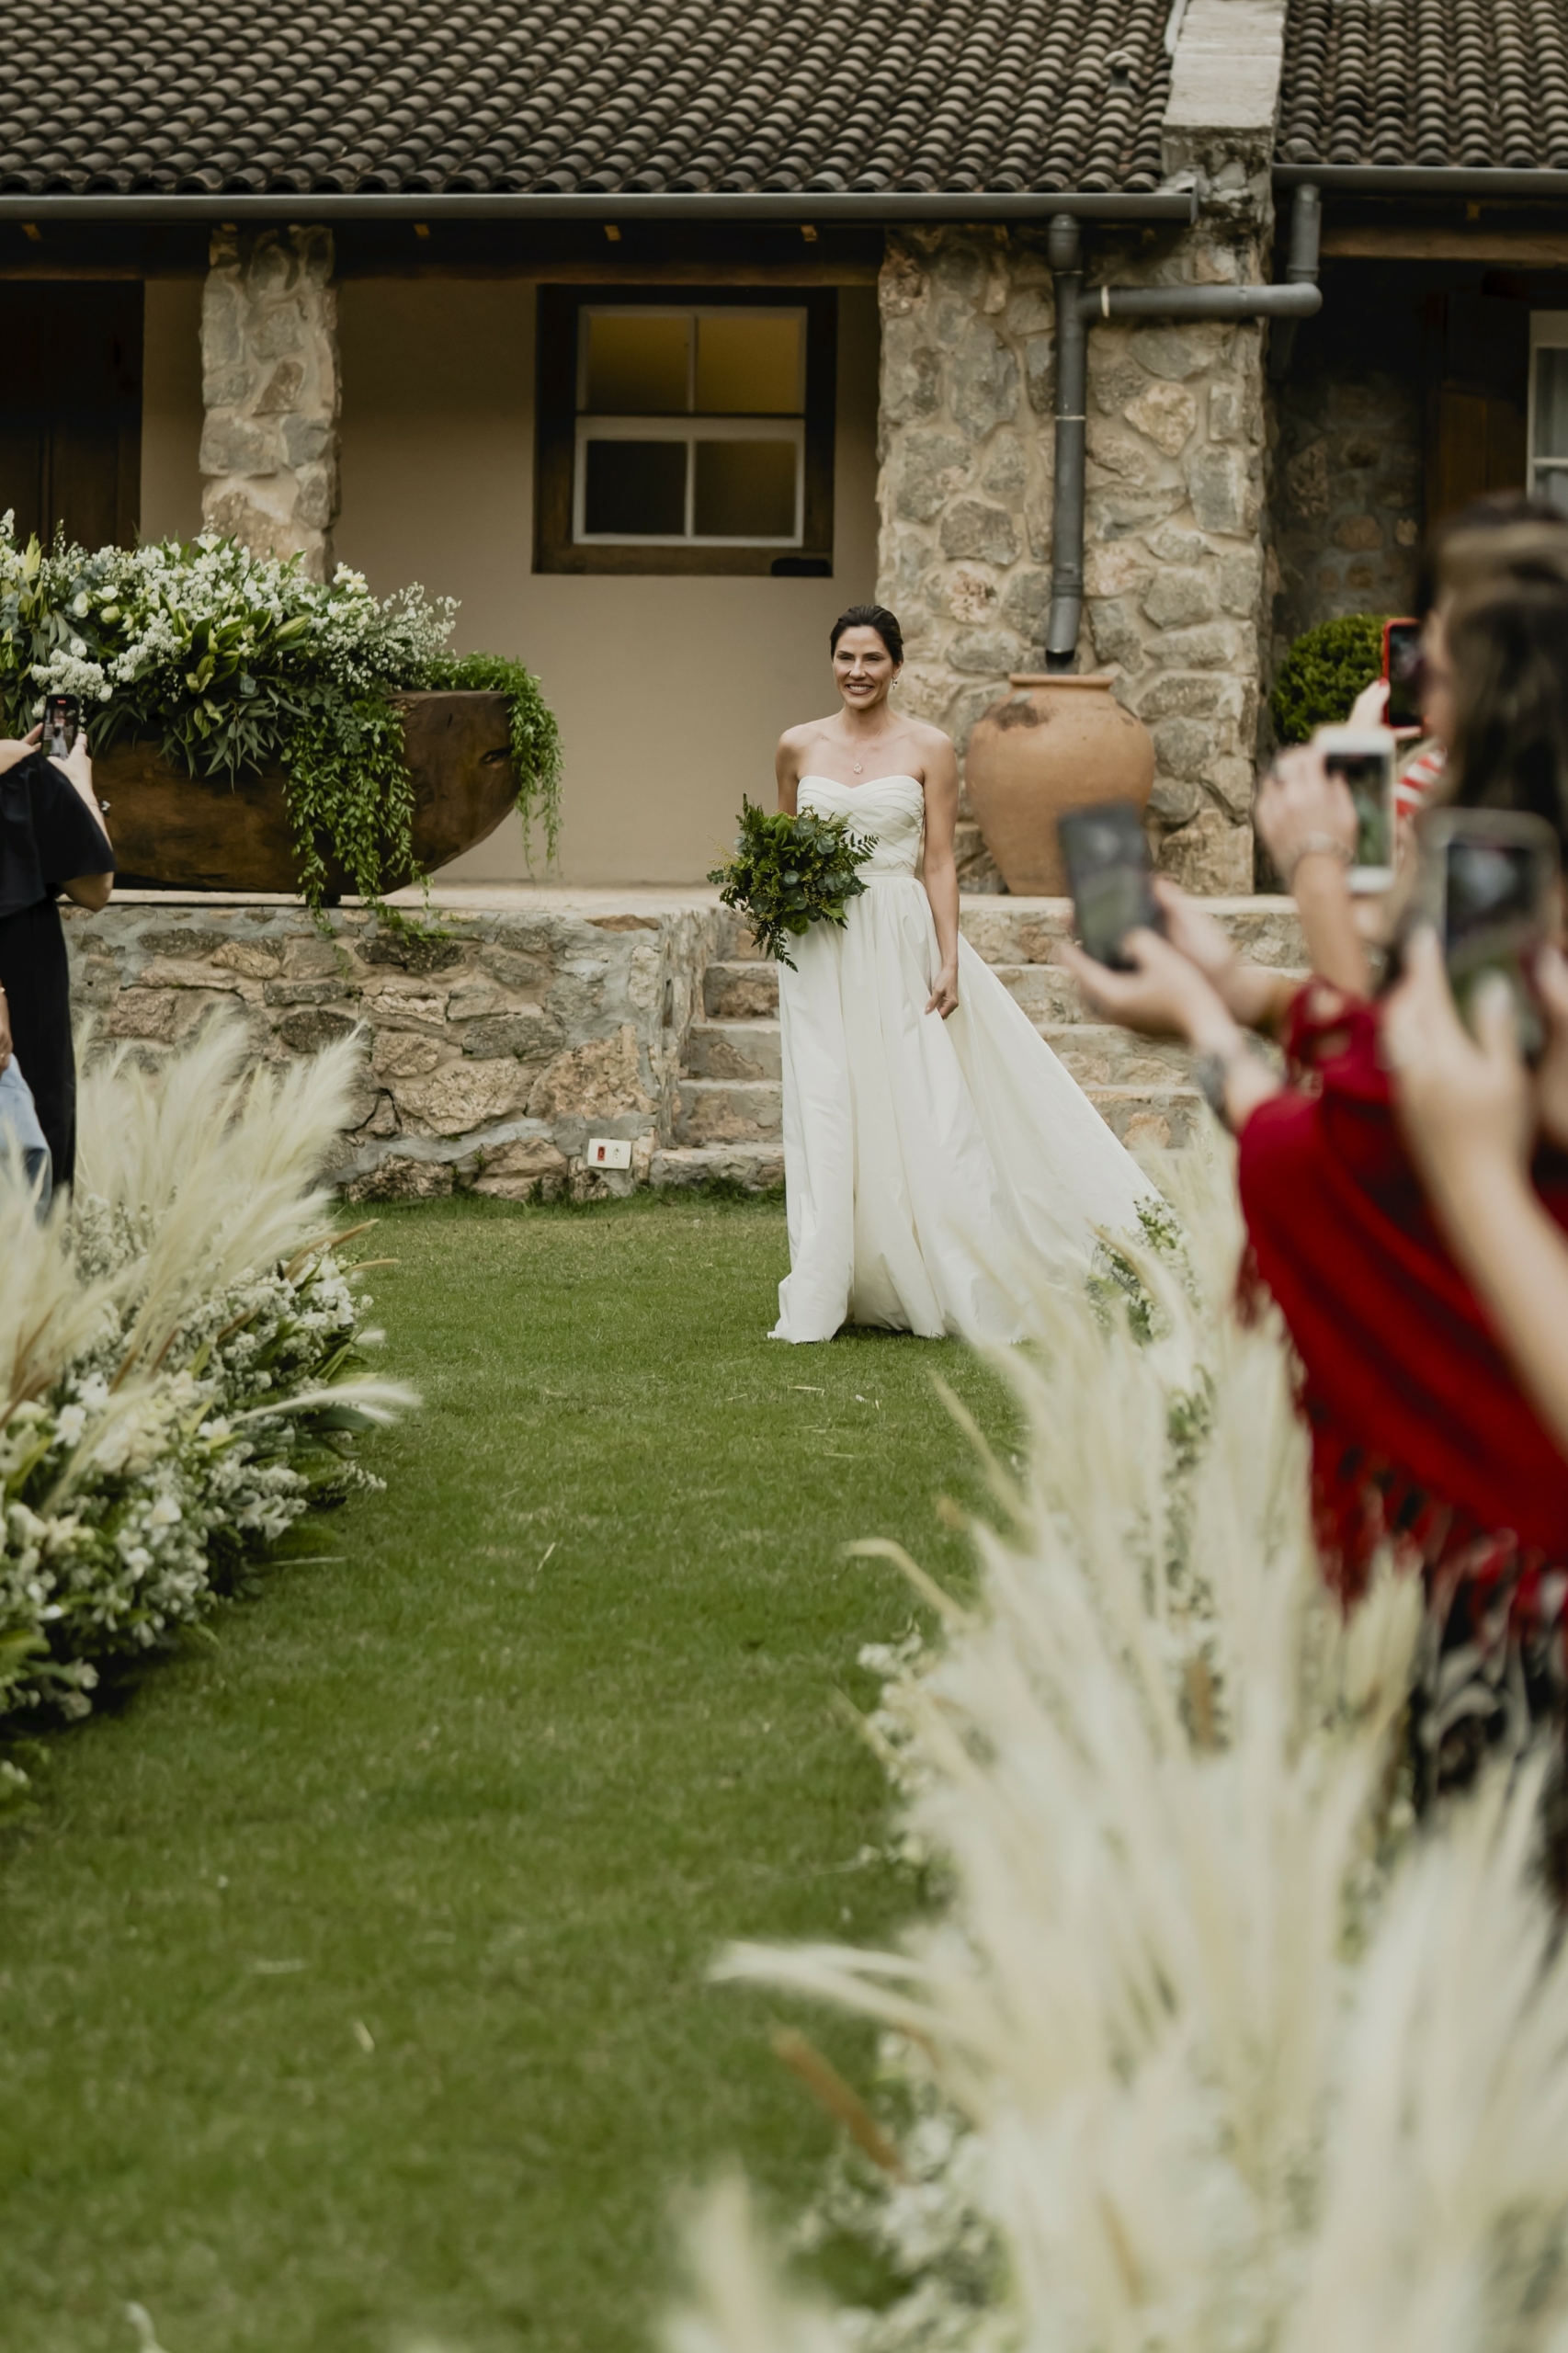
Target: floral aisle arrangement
[1234, 2053]
[786, 873]
[234, 661]
[184, 1356]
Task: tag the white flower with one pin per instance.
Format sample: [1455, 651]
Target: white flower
[79, 607]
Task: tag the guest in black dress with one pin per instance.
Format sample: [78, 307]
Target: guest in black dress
[52, 839]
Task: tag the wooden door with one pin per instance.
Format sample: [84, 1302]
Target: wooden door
[1478, 445]
[71, 408]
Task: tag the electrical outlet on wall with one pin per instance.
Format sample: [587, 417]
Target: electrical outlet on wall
[610, 1151]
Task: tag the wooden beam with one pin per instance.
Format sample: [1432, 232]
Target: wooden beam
[628, 269]
[1525, 248]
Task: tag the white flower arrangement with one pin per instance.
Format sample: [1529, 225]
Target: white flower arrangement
[236, 660]
[182, 1359]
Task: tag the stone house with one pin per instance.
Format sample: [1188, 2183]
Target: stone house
[658, 334]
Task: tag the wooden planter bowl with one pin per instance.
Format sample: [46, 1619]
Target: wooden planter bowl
[186, 833]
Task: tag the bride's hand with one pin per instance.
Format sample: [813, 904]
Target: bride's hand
[943, 998]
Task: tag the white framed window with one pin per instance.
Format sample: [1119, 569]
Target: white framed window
[1549, 406]
[691, 426]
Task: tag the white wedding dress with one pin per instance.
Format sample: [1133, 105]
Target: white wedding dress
[929, 1165]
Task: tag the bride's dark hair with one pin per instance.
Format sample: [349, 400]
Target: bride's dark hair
[875, 616]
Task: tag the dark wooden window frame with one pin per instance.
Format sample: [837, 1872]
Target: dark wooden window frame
[555, 432]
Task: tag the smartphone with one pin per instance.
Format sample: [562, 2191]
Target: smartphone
[1364, 756]
[1108, 868]
[1401, 668]
[1490, 883]
[62, 717]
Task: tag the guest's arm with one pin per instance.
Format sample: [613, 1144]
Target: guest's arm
[1466, 1109]
[1257, 995]
[90, 890]
[1165, 996]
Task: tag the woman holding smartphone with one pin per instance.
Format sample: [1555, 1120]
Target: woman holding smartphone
[51, 840]
[1436, 1423]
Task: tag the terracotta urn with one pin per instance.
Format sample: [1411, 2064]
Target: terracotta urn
[179, 831]
[1053, 743]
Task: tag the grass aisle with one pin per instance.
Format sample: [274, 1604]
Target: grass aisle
[354, 1972]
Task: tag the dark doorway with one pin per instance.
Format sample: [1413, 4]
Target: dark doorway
[71, 408]
[1477, 355]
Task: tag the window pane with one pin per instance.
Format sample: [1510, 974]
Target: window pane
[635, 489]
[745, 490]
[748, 364]
[636, 364]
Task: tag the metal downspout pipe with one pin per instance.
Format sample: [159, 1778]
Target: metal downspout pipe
[1065, 250]
[1077, 310]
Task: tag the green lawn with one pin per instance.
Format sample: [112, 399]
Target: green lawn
[354, 1970]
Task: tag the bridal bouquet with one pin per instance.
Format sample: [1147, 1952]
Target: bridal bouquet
[786, 873]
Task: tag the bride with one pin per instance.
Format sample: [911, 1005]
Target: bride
[933, 1143]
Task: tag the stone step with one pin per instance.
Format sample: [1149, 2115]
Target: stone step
[1167, 1118]
[756, 1167]
[1135, 1088]
[737, 990]
[1100, 1055]
[1016, 936]
[736, 945]
[727, 1111]
[732, 1049]
[1048, 995]
[1021, 931]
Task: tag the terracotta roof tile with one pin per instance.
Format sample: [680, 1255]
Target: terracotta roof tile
[1480, 82]
[566, 94]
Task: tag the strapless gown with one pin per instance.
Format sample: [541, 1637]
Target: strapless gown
[931, 1167]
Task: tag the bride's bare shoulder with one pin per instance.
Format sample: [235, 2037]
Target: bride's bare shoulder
[798, 742]
[928, 742]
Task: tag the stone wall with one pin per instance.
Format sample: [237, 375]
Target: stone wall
[1175, 564]
[270, 387]
[489, 1055]
[1348, 493]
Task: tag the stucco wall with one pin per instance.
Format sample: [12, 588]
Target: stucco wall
[171, 409]
[671, 693]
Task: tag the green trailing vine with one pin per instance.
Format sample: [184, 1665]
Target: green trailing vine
[351, 796]
[536, 738]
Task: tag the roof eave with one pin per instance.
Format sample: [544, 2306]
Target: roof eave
[1422, 179]
[806, 206]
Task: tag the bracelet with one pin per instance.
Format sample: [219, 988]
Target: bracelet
[1209, 1073]
[1318, 846]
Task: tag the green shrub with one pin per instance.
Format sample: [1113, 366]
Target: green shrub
[1324, 672]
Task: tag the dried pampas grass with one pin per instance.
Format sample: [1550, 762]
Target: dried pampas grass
[1252, 2064]
[215, 1159]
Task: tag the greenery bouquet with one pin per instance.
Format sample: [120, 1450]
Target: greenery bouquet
[786, 873]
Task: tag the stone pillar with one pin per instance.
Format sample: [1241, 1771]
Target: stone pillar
[1173, 564]
[1174, 523]
[270, 385]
